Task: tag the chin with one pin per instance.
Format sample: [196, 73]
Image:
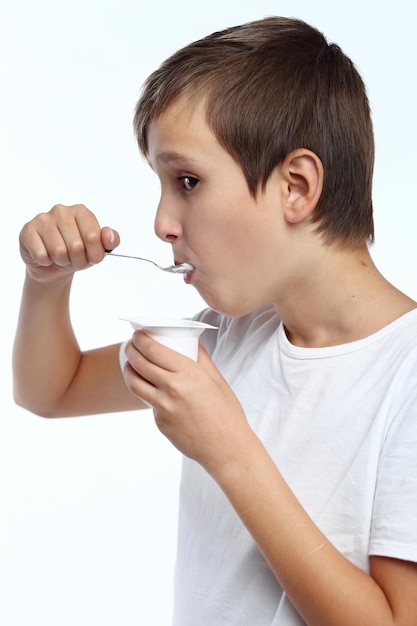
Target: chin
[227, 296]
[227, 306]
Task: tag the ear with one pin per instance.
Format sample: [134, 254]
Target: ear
[303, 175]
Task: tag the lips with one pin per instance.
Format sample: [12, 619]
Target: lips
[189, 276]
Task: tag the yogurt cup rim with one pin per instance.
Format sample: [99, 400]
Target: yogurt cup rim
[152, 322]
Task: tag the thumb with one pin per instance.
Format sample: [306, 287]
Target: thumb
[109, 238]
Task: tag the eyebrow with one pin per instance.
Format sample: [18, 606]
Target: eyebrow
[170, 157]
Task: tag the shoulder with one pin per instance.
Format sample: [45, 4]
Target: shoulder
[400, 338]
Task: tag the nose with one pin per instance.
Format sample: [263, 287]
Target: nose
[167, 225]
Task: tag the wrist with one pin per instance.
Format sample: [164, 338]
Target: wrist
[236, 463]
[41, 279]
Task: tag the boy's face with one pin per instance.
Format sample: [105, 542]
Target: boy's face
[237, 244]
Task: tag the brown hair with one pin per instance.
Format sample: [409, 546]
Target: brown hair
[272, 86]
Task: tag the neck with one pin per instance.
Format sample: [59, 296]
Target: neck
[342, 299]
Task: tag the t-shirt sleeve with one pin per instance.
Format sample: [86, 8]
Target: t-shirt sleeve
[394, 525]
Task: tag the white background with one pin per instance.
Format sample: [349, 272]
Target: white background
[88, 505]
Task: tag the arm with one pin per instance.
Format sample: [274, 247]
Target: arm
[52, 377]
[325, 588]
[323, 585]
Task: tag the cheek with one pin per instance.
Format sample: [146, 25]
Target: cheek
[222, 235]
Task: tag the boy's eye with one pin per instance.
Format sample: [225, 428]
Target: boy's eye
[189, 182]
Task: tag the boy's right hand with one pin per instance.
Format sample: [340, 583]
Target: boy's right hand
[64, 240]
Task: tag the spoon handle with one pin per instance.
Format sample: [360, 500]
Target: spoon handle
[129, 256]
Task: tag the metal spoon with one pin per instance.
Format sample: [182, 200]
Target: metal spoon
[183, 268]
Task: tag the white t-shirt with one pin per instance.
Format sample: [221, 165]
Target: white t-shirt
[341, 425]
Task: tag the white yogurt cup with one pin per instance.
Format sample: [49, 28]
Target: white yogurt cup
[181, 335]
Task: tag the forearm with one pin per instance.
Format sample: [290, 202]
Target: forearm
[325, 588]
[46, 353]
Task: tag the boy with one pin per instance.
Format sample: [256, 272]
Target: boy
[298, 424]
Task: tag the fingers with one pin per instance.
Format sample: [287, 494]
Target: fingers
[72, 236]
[65, 236]
[148, 357]
[137, 385]
[152, 370]
[162, 376]
[141, 375]
[154, 356]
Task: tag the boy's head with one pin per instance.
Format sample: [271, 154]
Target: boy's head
[272, 86]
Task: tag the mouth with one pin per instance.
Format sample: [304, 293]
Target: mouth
[188, 275]
[181, 268]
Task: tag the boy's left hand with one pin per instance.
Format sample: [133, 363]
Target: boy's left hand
[194, 407]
